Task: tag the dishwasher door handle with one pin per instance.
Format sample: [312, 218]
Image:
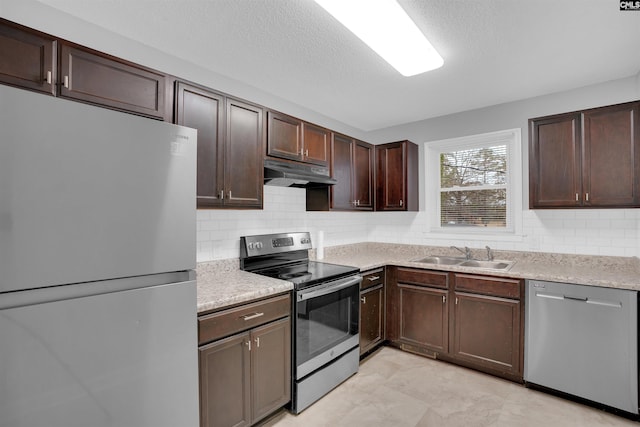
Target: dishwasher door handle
[550, 296]
[572, 298]
[613, 304]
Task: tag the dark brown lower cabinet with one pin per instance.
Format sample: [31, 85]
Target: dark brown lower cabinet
[372, 310]
[246, 376]
[487, 331]
[225, 382]
[270, 368]
[424, 317]
[488, 317]
[472, 320]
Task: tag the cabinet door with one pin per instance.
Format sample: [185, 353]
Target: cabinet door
[363, 164]
[554, 162]
[203, 110]
[424, 317]
[612, 156]
[487, 332]
[316, 144]
[244, 171]
[27, 59]
[106, 81]
[397, 176]
[284, 137]
[391, 174]
[371, 318]
[270, 367]
[225, 382]
[342, 171]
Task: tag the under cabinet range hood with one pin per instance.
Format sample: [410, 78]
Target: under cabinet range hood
[290, 174]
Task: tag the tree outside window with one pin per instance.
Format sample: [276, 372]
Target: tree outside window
[473, 187]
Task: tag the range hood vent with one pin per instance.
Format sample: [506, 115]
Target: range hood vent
[289, 174]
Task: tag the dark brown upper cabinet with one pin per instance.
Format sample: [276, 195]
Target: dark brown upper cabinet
[97, 78]
[244, 168]
[292, 139]
[352, 164]
[203, 110]
[586, 159]
[230, 144]
[27, 58]
[397, 176]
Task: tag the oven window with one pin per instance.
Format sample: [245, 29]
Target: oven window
[325, 321]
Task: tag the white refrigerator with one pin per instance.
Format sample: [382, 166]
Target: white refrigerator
[97, 256]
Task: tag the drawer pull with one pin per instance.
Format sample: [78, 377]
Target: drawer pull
[364, 300]
[66, 82]
[373, 278]
[48, 79]
[252, 316]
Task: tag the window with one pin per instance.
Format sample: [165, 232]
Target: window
[472, 183]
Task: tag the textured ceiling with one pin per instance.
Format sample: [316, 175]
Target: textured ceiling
[495, 51]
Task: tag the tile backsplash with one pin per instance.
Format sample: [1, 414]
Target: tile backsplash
[613, 232]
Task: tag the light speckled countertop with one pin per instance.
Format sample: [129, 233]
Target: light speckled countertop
[222, 283]
[611, 272]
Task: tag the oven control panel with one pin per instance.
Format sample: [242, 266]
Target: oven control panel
[282, 242]
[267, 244]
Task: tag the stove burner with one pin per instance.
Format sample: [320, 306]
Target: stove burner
[303, 275]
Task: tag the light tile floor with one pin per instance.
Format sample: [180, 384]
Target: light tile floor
[395, 388]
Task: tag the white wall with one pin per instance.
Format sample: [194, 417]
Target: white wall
[284, 210]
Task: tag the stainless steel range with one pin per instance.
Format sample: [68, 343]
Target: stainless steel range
[325, 311]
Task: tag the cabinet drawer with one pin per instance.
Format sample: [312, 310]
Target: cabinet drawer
[432, 279]
[372, 278]
[227, 322]
[494, 286]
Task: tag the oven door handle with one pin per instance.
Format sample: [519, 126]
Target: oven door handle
[329, 288]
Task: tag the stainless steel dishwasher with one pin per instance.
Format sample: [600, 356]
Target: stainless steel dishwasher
[583, 340]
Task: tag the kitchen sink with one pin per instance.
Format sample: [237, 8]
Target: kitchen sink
[493, 265]
[463, 262]
[442, 260]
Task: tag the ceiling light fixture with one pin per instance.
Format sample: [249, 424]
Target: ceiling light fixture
[387, 29]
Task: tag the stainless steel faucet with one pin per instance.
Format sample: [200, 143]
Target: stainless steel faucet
[466, 251]
[489, 254]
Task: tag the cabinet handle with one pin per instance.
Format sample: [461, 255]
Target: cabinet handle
[248, 344]
[66, 82]
[456, 300]
[577, 197]
[400, 202]
[258, 342]
[252, 316]
[301, 151]
[48, 79]
[221, 194]
[363, 299]
[373, 278]
[229, 194]
[586, 197]
[444, 299]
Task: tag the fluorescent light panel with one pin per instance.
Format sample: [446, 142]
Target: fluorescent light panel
[387, 29]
